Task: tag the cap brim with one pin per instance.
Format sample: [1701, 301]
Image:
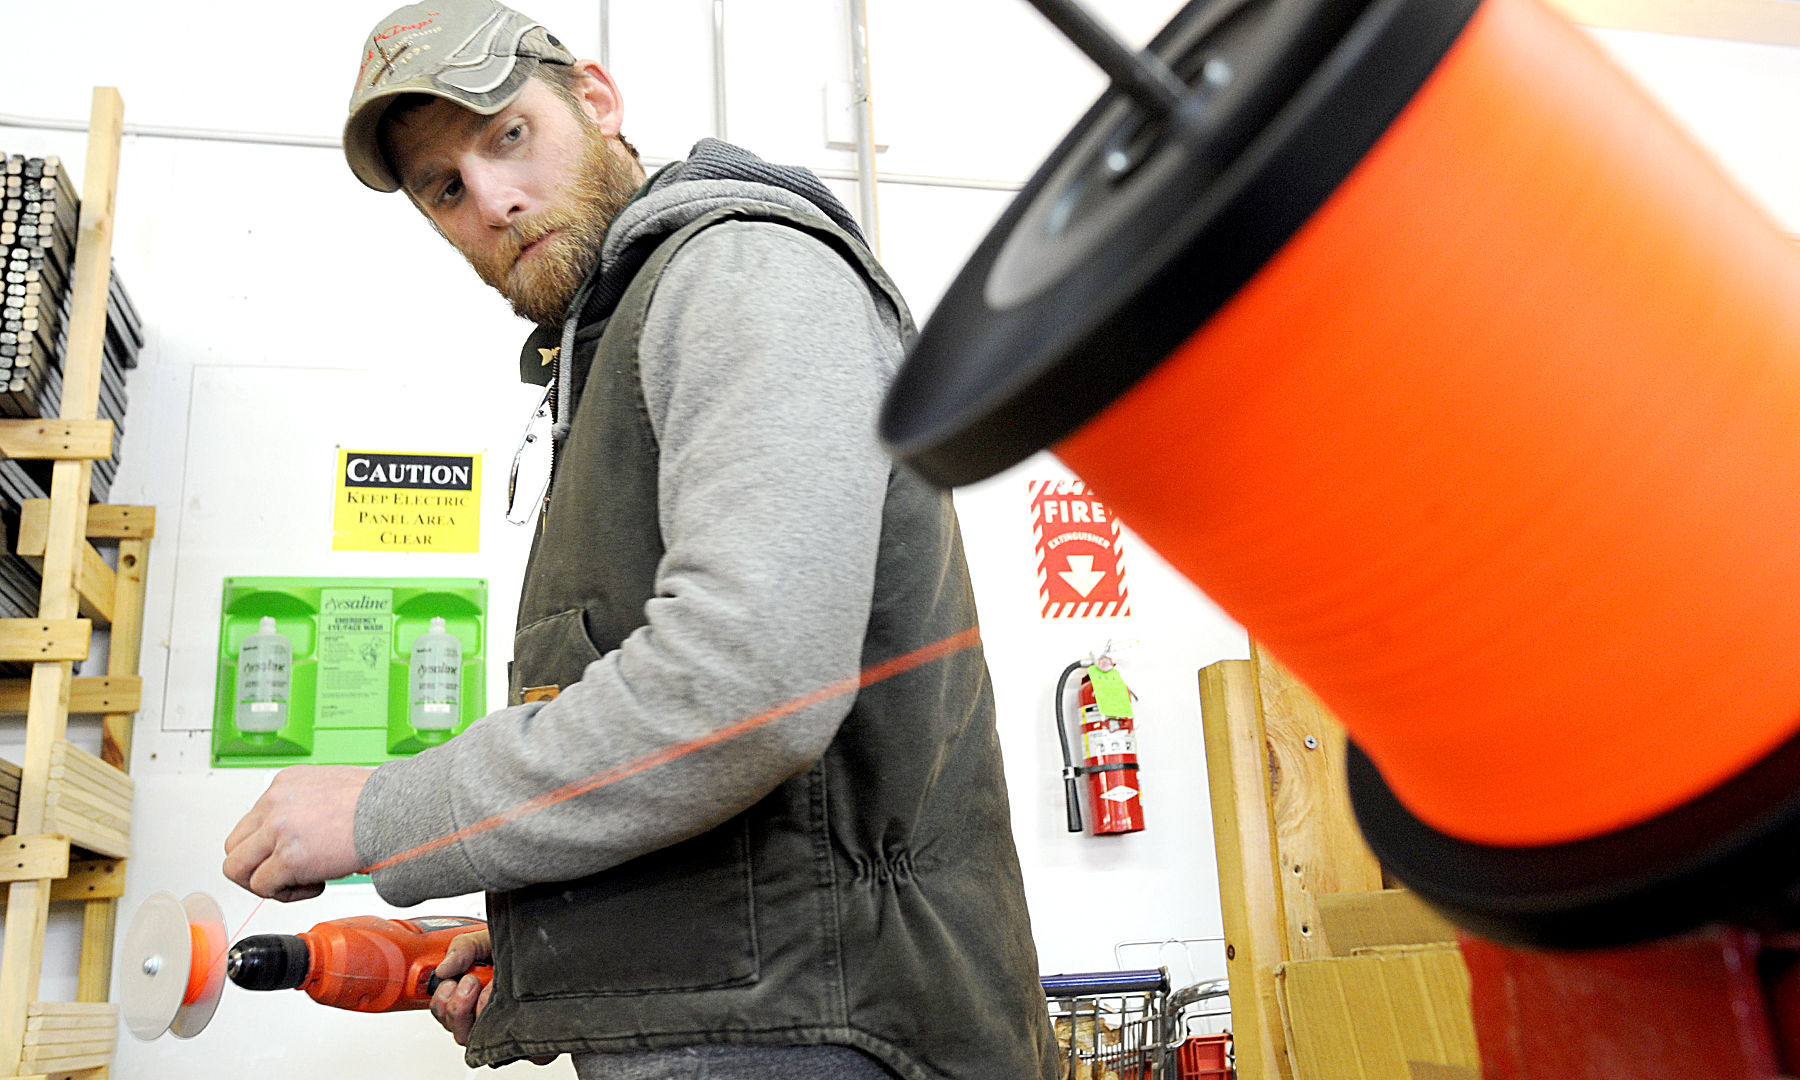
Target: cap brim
[362, 130]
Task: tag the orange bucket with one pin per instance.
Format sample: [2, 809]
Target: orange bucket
[1498, 448]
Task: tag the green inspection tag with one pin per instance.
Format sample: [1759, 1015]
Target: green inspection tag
[1109, 692]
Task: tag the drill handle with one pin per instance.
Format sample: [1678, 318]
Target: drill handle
[483, 971]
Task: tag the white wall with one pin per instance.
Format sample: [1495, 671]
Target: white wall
[290, 311]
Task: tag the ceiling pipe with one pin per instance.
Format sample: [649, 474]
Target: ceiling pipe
[719, 69]
[606, 34]
[332, 142]
[868, 211]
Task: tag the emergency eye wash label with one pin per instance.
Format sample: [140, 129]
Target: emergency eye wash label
[407, 502]
[355, 626]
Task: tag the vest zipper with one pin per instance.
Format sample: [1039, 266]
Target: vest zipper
[555, 404]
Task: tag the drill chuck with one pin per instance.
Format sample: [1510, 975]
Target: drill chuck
[269, 962]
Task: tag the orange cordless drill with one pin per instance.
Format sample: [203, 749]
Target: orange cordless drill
[364, 964]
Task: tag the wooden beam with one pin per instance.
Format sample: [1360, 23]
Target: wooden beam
[96, 585]
[105, 522]
[27, 916]
[99, 922]
[1237, 773]
[33, 640]
[100, 919]
[34, 858]
[91, 694]
[1764, 22]
[83, 439]
[127, 643]
[93, 260]
[91, 879]
[1316, 837]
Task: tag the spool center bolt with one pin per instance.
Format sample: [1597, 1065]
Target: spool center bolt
[152, 965]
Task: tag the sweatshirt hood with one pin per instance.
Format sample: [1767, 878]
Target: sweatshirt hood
[715, 174]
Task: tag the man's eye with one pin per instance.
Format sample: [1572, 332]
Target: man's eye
[451, 190]
[513, 133]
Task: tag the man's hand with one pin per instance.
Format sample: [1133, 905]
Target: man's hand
[300, 834]
[459, 1001]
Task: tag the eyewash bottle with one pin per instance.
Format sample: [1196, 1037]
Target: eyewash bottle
[265, 668]
[436, 683]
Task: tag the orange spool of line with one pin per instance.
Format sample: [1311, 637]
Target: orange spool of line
[1498, 449]
[1502, 452]
[208, 959]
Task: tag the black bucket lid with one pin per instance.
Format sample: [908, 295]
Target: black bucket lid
[1137, 230]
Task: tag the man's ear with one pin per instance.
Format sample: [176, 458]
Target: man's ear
[599, 97]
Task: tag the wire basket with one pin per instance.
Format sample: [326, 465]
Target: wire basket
[1113, 1025]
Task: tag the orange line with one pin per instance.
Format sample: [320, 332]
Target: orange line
[228, 940]
[886, 670]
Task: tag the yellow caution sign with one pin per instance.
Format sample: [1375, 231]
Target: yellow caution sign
[407, 502]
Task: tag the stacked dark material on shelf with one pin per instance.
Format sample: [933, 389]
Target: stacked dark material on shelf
[9, 797]
[39, 212]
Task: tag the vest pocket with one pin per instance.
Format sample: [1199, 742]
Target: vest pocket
[554, 651]
[678, 919]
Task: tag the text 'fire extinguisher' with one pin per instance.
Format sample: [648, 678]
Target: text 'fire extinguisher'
[1109, 749]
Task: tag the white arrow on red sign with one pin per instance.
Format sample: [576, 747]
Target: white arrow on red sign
[1081, 575]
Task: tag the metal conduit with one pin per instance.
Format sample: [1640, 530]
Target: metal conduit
[868, 210]
[606, 34]
[719, 68]
[332, 142]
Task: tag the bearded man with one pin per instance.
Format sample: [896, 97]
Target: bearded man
[783, 873]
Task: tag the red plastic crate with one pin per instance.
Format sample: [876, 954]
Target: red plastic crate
[1204, 1057]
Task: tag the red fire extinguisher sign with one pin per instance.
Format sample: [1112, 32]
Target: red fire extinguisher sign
[1080, 572]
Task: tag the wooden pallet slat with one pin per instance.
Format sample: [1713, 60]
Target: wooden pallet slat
[53, 640]
[89, 694]
[95, 836]
[71, 760]
[70, 806]
[60, 440]
[91, 879]
[61, 1037]
[106, 521]
[59, 1065]
[97, 1022]
[34, 858]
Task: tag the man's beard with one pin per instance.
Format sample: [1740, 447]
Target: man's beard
[542, 287]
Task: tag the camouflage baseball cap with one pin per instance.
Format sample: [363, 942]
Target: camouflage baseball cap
[476, 53]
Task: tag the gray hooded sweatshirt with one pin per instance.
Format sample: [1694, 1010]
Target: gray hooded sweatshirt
[737, 627]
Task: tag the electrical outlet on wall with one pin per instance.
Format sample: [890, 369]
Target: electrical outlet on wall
[839, 97]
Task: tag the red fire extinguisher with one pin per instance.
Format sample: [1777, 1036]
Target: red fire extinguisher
[1109, 750]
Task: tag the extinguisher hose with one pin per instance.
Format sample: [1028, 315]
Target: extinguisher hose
[1071, 786]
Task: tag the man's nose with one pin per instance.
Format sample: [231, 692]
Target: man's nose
[500, 203]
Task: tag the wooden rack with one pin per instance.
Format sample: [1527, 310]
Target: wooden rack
[1332, 975]
[74, 809]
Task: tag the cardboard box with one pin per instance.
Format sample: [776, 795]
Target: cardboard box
[1372, 1015]
[1357, 921]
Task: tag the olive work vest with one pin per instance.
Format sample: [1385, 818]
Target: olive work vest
[873, 901]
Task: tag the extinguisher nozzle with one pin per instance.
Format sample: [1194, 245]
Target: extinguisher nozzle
[1072, 800]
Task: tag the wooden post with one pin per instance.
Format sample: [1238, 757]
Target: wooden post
[1237, 772]
[1320, 849]
[100, 917]
[27, 911]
